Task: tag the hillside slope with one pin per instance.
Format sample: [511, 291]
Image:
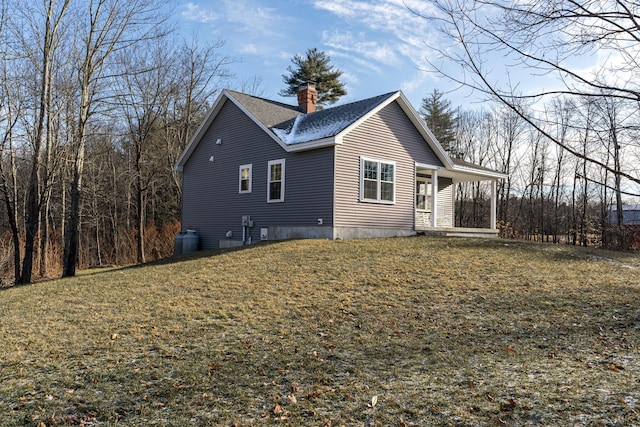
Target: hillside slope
[406, 331]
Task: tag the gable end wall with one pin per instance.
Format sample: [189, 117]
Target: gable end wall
[387, 135]
[211, 202]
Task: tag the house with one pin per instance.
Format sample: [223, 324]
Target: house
[630, 214]
[257, 169]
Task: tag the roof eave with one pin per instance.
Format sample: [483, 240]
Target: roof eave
[211, 115]
[197, 136]
[415, 118]
[259, 123]
[312, 145]
[370, 113]
[480, 172]
[426, 133]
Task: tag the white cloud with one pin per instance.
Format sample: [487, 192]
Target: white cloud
[347, 41]
[361, 62]
[399, 21]
[258, 21]
[249, 48]
[194, 12]
[418, 80]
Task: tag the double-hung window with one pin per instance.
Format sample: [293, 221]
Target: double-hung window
[377, 180]
[275, 181]
[245, 179]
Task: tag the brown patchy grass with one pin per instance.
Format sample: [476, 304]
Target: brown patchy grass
[411, 331]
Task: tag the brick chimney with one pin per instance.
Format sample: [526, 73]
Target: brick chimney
[307, 97]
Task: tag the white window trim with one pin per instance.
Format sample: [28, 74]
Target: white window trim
[275, 162]
[250, 167]
[378, 199]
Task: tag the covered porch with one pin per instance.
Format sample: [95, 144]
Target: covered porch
[435, 199]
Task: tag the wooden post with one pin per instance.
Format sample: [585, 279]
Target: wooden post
[494, 195]
[434, 198]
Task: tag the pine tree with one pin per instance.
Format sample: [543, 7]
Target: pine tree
[315, 67]
[441, 120]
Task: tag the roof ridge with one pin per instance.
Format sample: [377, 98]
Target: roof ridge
[381, 96]
[326, 123]
[270, 101]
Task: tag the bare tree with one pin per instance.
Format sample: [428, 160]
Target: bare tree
[615, 135]
[8, 168]
[53, 15]
[543, 37]
[143, 99]
[510, 130]
[109, 25]
[561, 115]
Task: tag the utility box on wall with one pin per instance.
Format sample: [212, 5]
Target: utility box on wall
[264, 234]
[247, 221]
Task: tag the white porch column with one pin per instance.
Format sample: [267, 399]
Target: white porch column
[434, 198]
[494, 196]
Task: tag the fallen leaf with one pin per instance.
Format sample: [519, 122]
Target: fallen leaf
[293, 399]
[278, 409]
[374, 401]
[508, 406]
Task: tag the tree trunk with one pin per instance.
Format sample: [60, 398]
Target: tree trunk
[141, 207]
[72, 229]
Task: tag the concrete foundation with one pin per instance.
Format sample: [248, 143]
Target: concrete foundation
[287, 233]
[459, 232]
[227, 243]
[369, 233]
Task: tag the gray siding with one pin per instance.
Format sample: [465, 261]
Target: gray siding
[211, 203]
[387, 135]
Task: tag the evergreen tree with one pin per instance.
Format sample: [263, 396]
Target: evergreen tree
[441, 120]
[315, 67]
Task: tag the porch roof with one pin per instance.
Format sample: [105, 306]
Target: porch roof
[462, 171]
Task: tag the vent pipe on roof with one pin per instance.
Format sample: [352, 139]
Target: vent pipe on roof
[307, 97]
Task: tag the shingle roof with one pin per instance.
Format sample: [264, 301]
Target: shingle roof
[270, 113]
[292, 126]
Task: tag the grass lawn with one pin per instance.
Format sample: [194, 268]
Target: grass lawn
[390, 332]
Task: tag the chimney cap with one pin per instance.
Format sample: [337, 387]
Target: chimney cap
[307, 85]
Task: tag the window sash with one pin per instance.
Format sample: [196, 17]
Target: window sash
[245, 178]
[377, 181]
[275, 181]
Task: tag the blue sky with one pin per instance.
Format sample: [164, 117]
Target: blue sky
[380, 45]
